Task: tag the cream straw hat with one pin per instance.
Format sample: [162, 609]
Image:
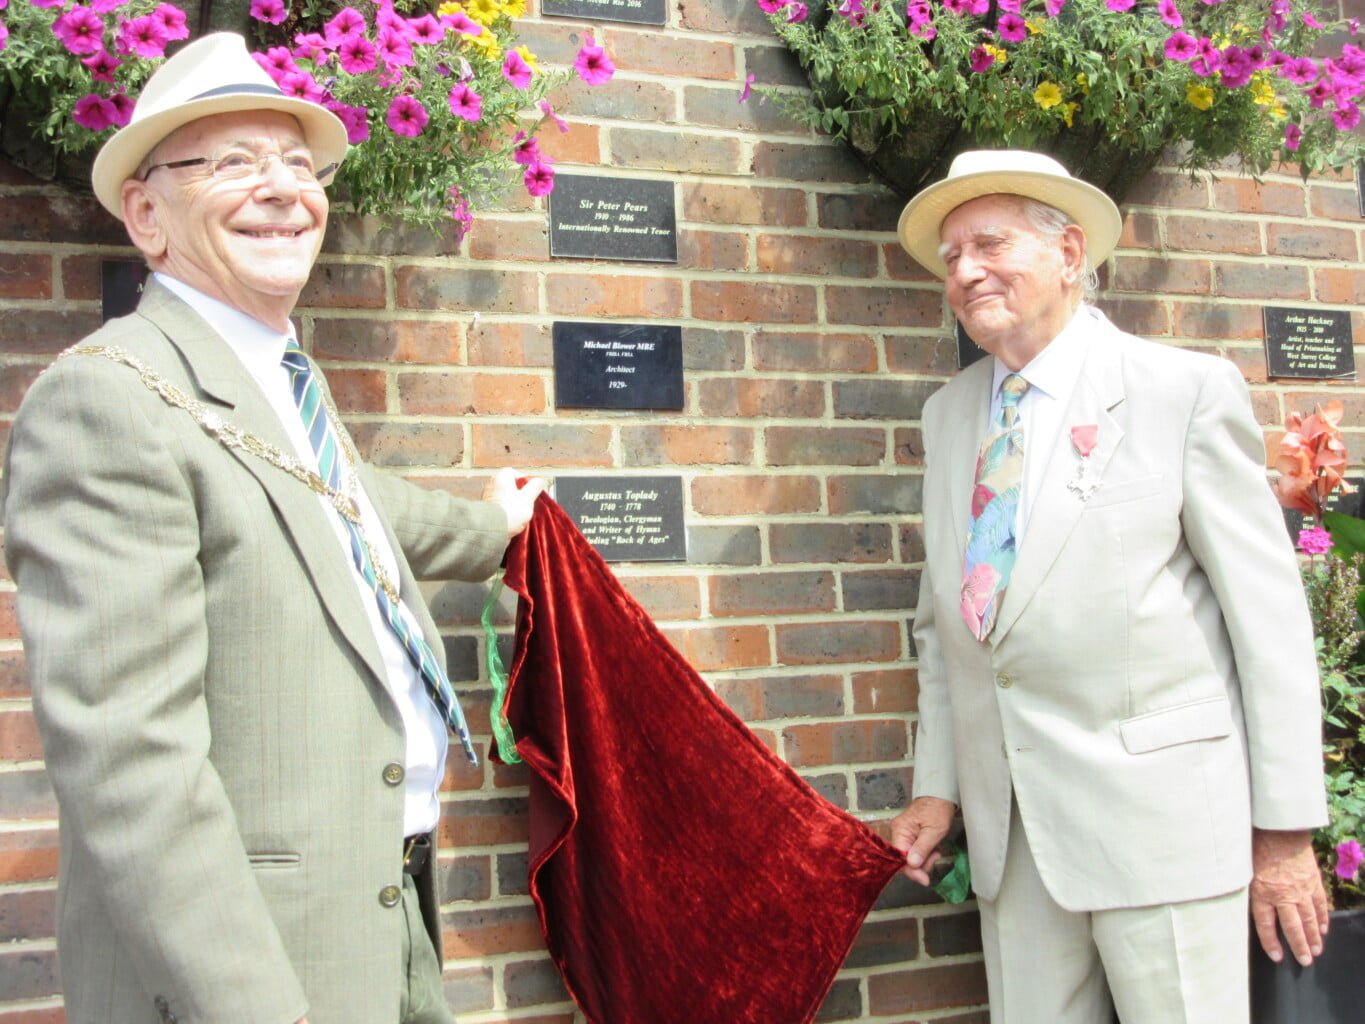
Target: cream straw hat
[212, 75]
[985, 172]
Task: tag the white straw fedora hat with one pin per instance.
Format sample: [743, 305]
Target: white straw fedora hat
[984, 172]
[212, 75]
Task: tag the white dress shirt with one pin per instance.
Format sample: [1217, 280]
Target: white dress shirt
[1052, 376]
[260, 349]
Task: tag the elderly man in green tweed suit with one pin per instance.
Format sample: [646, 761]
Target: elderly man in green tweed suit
[241, 692]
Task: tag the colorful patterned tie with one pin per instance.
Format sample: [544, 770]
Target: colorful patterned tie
[991, 548]
[322, 436]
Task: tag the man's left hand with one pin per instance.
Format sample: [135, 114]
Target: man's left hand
[519, 503]
[1286, 889]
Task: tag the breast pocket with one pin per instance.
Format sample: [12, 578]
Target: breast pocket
[1120, 492]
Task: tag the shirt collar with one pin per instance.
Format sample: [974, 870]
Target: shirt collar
[1054, 371]
[260, 347]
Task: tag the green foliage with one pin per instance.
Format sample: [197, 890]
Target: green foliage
[1090, 72]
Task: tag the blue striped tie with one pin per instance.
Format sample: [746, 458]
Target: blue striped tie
[322, 435]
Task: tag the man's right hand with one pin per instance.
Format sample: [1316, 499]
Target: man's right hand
[918, 830]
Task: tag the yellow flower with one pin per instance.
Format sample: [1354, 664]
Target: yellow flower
[449, 8]
[514, 9]
[485, 43]
[529, 57]
[1083, 83]
[485, 12]
[1262, 92]
[999, 55]
[1047, 95]
[1069, 111]
[1034, 25]
[1200, 96]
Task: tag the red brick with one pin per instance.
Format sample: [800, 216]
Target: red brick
[1147, 318]
[1259, 280]
[483, 291]
[357, 391]
[1147, 274]
[927, 988]
[823, 643]
[719, 107]
[814, 353]
[747, 495]
[1242, 195]
[497, 239]
[766, 698]
[761, 398]
[9, 622]
[722, 648]
[488, 931]
[753, 302]
[461, 394]
[1172, 189]
[15, 380]
[25, 276]
[771, 593]
[521, 346]
[33, 1015]
[883, 307]
[909, 442]
[885, 691]
[666, 597]
[1334, 203]
[621, 99]
[19, 740]
[1140, 231]
[825, 446]
[1312, 241]
[921, 354]
[391, 340]
[851, 742]
[27, 914]
[470, 823]
[613, 295]
[28, 855]
[41, 331]
[581, 144]
[681, 56]
[819, 255]
[345, 286]
[541, 445]
[901, 266]
[1207, 234]
[1345, 285]
[685, 445]
[865, 543]
[409, 444]
[59, 219]
[1223, 321]
[744, 204]
[674, 150]
[28, 973]
[712, 250]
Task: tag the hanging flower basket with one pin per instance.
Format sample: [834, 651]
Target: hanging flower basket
[1105, 86]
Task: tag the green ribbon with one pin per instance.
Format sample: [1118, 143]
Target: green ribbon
[957, 883]
[497, 676]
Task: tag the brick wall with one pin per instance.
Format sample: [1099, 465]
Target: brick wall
[810, 343]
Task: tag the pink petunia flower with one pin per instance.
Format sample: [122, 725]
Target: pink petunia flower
[300, 85]
[1170, 13]
[80, 29]
[539, 178]
[143, 36]
[1314, 541]
[278, 61]
[526, 149]
[48, 3]
[173, 20]
[593, 65]
[309, 45]
[460, 213]
[94, 112]
[748, 89]
[345, 23]
[123, 108]
[407, 116]
[854, 12]
[1119, 5]
[1293, 135]
[1318, 94]
[357, 55]
[466, 103]
[102, 64]
[272, 12]
[425, 31]
[796, 12]
[1311, 21]
[770, 6]
[387, 18]
[356, 120]
[980, 60]
[105, 6]
[1053, 7]
[461, 23]
[4, 35]
[516, 70]
[1011, 28]
[1349, 857]
[1181, 46]
[549, 112]
[1299, 69]
[1346, 116]
[394, 49]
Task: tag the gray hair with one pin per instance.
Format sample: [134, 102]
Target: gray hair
[1050, 221]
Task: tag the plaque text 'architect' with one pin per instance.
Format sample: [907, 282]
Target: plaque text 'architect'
[627, 518]
[618, 366]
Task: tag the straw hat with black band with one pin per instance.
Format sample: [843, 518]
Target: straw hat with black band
[985, 172]
[212, 75]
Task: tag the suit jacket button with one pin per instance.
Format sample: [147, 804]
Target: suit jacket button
[390, 895]
[1004, 679]
[393, 773]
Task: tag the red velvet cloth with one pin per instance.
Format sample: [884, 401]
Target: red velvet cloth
[682, 872]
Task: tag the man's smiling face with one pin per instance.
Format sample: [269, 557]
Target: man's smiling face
[250, 243]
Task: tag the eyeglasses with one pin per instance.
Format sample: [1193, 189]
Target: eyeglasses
[239, 165]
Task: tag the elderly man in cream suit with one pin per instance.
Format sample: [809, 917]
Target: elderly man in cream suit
[241, 693]
[1117, 679]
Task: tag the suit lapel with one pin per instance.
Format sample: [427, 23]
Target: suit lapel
[1056, 508]
[221, 378]
[963, 447]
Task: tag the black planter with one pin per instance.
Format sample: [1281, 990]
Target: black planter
[1332, 991]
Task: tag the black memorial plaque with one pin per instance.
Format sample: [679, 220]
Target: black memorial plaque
[121, 284]
[638, 12]
[968, 351]
[618, 366]
[1312, 343]
[613, 219]
[627, 518]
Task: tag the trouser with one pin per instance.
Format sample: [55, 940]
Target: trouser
[1182, 963]
[423, 1001]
